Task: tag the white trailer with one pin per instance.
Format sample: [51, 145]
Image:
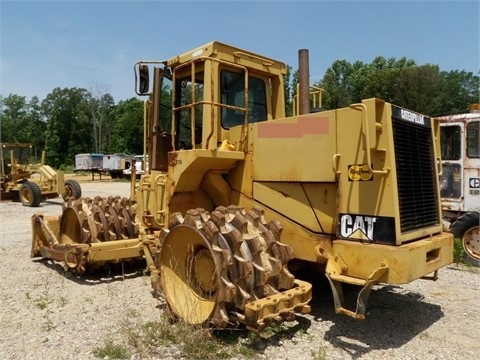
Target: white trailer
[115, 164]
[88, 162]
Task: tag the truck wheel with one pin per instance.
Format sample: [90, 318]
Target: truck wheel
[72, 189]
[467, 228]
[30, 194]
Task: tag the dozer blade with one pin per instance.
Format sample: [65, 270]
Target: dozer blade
[228, 268]
[89, 233]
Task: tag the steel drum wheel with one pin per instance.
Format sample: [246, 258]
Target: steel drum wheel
[212, 264]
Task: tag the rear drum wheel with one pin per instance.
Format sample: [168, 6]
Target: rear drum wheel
[87, 221]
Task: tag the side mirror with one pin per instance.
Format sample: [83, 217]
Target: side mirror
[144, 84]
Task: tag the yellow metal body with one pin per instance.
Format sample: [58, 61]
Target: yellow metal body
[354, 189]
[305, 170]
[332, 178]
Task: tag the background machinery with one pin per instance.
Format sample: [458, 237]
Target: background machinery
[460, 178]
[352, 192]
[138, 168]
[28, 182]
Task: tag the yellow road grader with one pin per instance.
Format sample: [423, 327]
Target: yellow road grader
[238, 197]
[23, 180]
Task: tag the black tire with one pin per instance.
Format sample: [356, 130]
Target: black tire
[72, 189]
[467, 229]
[30, 194]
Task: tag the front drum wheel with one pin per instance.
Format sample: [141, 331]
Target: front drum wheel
[211, 265]
[189, 274]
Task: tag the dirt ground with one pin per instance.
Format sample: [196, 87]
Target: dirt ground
[50, 314]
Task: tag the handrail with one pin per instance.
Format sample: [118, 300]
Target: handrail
[211, 102]
[335, 160]
[146, 130]
[363, 108]
[264, 61]
[315, 94]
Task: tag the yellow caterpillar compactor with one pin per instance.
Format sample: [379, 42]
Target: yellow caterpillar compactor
[353, 191]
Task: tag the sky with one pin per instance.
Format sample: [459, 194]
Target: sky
[94, 44]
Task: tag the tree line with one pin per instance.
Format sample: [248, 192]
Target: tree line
[70, 121]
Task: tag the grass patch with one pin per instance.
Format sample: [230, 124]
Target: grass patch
[170, 338]
[43, 302]
[175, 339]
[458, 252]
[459, 257]
[111, 351]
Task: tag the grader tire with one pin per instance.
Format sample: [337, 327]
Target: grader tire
[467, 228]
[30, 194]
[212, 264]
[72, 189]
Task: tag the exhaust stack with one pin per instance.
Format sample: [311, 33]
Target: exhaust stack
[303, 81]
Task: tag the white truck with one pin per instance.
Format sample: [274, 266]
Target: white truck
[140, 165]
[460, 178]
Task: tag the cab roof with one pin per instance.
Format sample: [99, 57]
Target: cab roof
[231, 54]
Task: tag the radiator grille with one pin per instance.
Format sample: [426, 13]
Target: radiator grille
[415, 165]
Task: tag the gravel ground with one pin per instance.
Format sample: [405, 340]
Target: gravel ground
[47, 313]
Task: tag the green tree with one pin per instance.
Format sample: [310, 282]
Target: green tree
[14, 117]
[455, 91]
[69, 130]
[35, 126]
[289, 91]
[410, 87]
[101, 106]
[422, 88]
[338, 85]
[127, 130]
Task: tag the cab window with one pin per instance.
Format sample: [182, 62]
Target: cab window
[473, 139]
[450, 137]
[188, 99]
[232, 89]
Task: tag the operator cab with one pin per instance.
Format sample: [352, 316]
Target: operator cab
[199, 96]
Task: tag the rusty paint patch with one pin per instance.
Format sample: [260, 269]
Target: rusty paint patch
[172, 158]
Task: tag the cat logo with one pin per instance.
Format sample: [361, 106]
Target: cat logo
[377, 229]
[474, 183]
[359, 173]
[359, 226]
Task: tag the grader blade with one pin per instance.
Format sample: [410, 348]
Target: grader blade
[89, 233]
